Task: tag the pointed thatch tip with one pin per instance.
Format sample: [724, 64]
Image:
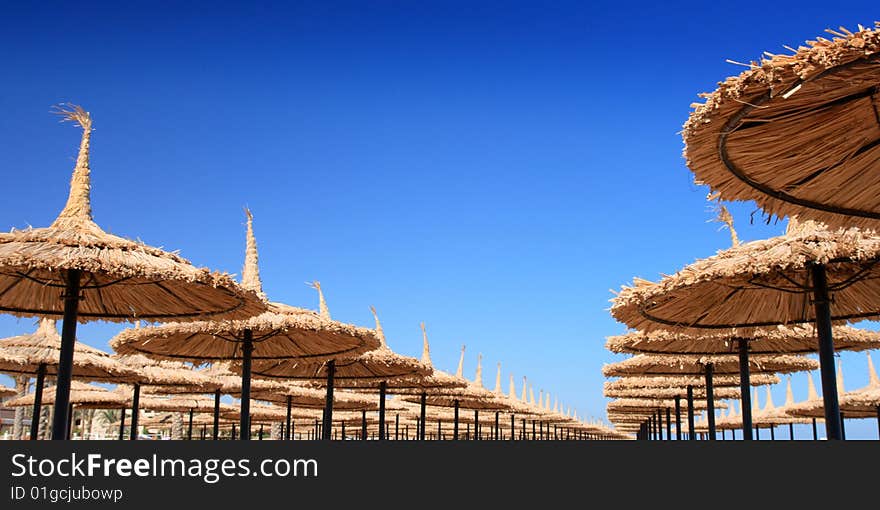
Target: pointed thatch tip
[873, 380]
[47, 327]
[78, 208]
[379, 332]
[478, 377]
[322, 303]
[250, 274]
[724, 216]
[459, 372]
[426, 349]
[498, 389]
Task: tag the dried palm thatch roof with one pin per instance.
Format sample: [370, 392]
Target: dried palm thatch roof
[683, 381]
[640, 405]
[179, 403]
[772, 415]
[861, 403]
[760, 284]
[230, 383]
[364, 371]
[268, 413]
[797, 339]
[694, 364]
[298, 335]
[797, 133]
[6, 391]
[312, 398]
[122, 279]
[669, 392]
[81, 395]
[43, 347]
[471, 396]
[180, 377]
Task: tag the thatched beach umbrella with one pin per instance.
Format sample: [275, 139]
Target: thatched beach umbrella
[381, 369]
[696, 364]
[100, 276]
[281, 333]
[164, 376]
[785, 280]
[6, 391]
[797, 339]
[41, 351]
[861, 403]
[80, 395]
[771, 416]
[473, 396]
[797, 133]
[681, 381]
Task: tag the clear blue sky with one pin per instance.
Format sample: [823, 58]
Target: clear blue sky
[492, 169]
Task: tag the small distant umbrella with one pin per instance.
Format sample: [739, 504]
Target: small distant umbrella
[6, 391]
[281, 333]
[75, 270]
[81, 395]
[41, 352]
[381, 369]
[671, 381]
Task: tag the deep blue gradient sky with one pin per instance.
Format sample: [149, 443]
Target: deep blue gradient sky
[492, 169]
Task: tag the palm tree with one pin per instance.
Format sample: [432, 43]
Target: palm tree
[22, 382]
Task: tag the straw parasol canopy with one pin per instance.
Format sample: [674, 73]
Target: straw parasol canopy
[304, 397]
[169, 376]
[180, 403]
[796, 339]
[81, 395]
[300, 334]
[861, 403]
[772, 415]
[669, 392]
[280, 333]
[43, 347]
[472, 396]
[797, 133]
[364, 371]
[692, 364]
[6, 391]
[664, 381]
[118, 279]
[641, 405]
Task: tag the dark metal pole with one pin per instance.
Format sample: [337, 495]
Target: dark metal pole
[533, 430]
[455, 420]
[692, 434]
[476, 425]
[69, 420]
[260, 433]
[65, 360]
[668, 425]
[122, 424]
[343, 430]
[247, 351]
[678, 418]
[772, 433]
[822, 305]
[522, 431]
[216, 430]
[815, 431]
[757, 432]
[38, 401]
[842, 428]
[710, 400]
[496, 425]
[745, 389]
[233, 431]
[513, 424]
[790, 431]
[364, 425]
[204, 431]
[383, 387]
[135, 406]
[189, 429]
[397, 426]
[439, 430]
[287, 435]
[422, 422]
[878, 420]
[328, 404]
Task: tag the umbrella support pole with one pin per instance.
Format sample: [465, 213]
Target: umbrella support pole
[496, 425]
[513, 424]
[135, 405]
[455, 420]
[233, 432]
[363, 425]
[383, 387]
[791, 431]
[71, 298]
[678, 417]
[822, 304]
[692, 434]
[247, 351]
[522, 430]
[816, 431]
[668, 425]
[260, 434]
[69, 421]
[189, 428]
[38, 401]
[745, 389]
[328, 403]
[122, 424]
[772, 433]
[842, 428]
[710, 400]
[397, 426]
[343, 430]
[878, 420]
[216, 430]
[422, 403]
[476, 425]
[287, 435]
